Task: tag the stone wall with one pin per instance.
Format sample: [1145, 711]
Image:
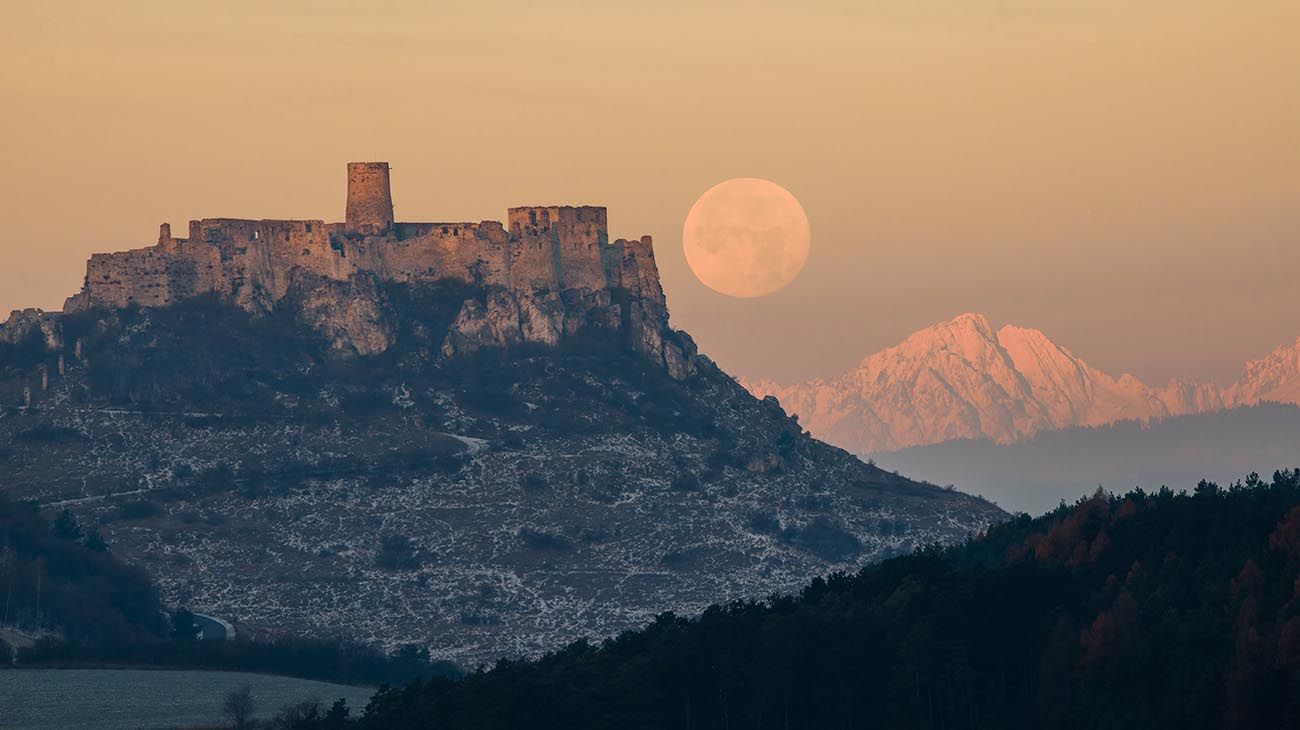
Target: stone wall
[562, 244]
[475, 253]
[251, 261]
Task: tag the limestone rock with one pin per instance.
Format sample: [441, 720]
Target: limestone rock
[679, 361]
[24, 323]
[351, 315]
[763, 463]
[542, 318]
[469, 332]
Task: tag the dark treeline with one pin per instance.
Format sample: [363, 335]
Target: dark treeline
[323, 659]
[60, 583]
[59, 576]
[1149, 610]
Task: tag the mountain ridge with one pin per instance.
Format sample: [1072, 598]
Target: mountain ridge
[961, 379]
[1036, 474]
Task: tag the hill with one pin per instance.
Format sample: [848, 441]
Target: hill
[1034, 475]
[1151, 610]
[481, 439]
[500, 504]
[67, 600]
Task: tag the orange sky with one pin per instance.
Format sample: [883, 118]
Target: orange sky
[1123, 175]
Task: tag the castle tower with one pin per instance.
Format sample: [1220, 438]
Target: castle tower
[370, 199]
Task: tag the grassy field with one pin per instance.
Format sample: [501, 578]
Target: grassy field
[131, 699]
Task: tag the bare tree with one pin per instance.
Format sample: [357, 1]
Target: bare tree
[292, 716]
[238, 707]
[7, 565]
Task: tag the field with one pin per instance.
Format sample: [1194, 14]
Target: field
[130, 699]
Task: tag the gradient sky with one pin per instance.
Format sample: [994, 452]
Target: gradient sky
[1124, 175]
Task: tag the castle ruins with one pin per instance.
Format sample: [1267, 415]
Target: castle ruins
[541, 248]
[548, 271]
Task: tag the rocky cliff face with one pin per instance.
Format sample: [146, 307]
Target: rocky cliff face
[962, 380]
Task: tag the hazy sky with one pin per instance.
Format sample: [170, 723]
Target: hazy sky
[1124, 175]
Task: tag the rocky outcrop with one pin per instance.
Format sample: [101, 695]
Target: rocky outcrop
[351, 315]
[26, 325]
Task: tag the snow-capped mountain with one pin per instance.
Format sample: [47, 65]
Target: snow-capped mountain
[961, 379]
[1271, 379]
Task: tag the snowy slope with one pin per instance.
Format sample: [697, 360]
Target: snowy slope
[961, 379]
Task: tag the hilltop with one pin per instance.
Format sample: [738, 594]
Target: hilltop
[485, 440]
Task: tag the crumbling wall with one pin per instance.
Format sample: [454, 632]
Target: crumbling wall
[572, 236]
[265, 263]
[470, 252]
[547, 249]
[149, 277]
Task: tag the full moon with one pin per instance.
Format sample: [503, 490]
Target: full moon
[746, 237]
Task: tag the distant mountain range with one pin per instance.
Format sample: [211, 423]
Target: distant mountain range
[1034, 475]
[961, 379]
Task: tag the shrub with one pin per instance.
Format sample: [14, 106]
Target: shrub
[215, 478]
[825, 540]
[48, 433]
[396, 552]
[764, 523]
[686, 482]
[538, 540]
[534, 482]
[672, 560]
[365, 404]
[138, 510]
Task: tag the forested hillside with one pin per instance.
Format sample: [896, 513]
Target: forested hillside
[60, 584]
[60, 579]
[1136, 611]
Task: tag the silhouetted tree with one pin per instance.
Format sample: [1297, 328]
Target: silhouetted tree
[184, 627]
[66, 526]
[95, 541]
[238, 707]
[1142, 610]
